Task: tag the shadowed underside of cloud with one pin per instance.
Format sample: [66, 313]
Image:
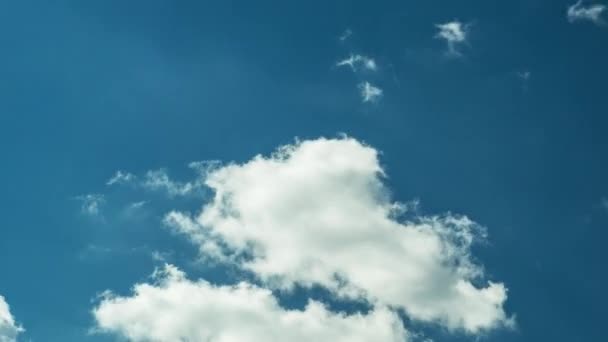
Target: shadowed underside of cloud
[177, 309]
[8, 327]
[316, 213]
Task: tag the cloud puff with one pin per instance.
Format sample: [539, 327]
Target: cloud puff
[524, 75]
[345, 35]
[317, 213]
[604, 203]
[91, 203]
[177, 309]
[454, 33]
[159, 180]
[121, 177]
[9, 329]
[357, 62]
[369, 93]
[579, 12]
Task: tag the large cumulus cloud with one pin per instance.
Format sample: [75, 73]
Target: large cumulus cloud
[314, 213]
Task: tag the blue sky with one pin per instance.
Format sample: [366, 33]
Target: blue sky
[90, 88]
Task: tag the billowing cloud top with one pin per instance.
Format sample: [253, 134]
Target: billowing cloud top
[8, 327]
[317, 213]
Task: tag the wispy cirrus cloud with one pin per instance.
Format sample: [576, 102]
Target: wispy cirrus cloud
[159, 180]
[358, 62]
[604, 203]
[90, 204]
[524, 76]
[369, 92]
[454, 33]
[345, 35]
[593, 13]
[362, 66]
[121, 177]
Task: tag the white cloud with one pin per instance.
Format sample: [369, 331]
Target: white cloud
[91, 203]
[579, 12]
[136, 205]
[9, 329]
[177, 309]
[159, 180]
[524, 75]
[160, 256]
[604, 203]
[454, 33]
[369, 93]
[345, 35]
[210, 247]
[355, 62]
[317, 212]
[121, 177]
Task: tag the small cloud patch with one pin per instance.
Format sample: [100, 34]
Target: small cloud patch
[593, 13]
[454, 33]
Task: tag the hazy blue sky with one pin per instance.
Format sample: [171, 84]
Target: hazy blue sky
[502, 119]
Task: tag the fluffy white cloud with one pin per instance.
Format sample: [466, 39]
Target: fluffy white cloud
[9, 329]
[177, 309]
[91, 203]
[369, 93]
[355, 62]
[579, 12]
[317, 212]
[454, 33]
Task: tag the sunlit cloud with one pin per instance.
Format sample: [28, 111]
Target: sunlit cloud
[317, 209]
